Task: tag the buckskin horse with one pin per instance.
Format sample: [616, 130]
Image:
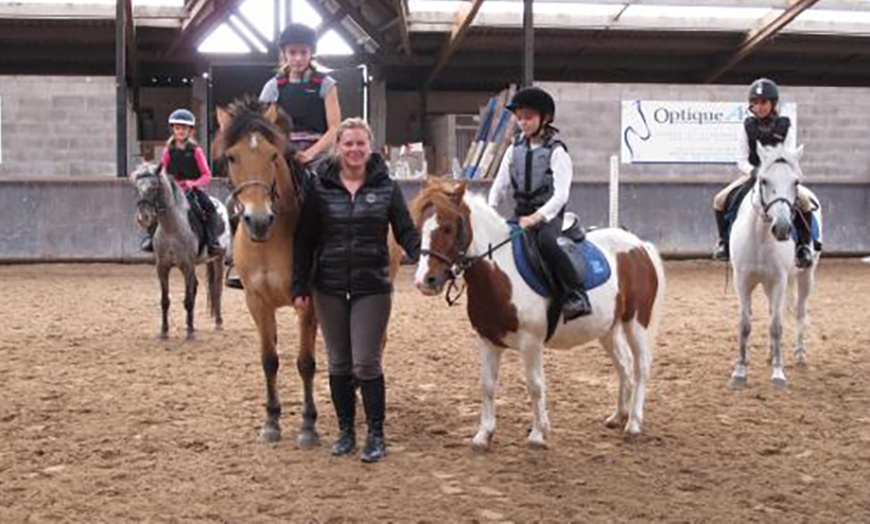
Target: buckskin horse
[462, 234]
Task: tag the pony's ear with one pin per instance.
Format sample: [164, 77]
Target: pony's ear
[223, 118]
[763, 153]
[458, 192]
[799, 152]
[271, 113]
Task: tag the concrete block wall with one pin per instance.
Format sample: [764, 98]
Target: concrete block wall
[57, 126]
[94, 220]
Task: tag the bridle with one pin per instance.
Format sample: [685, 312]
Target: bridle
[270, 189]
[765, 206]
[153, 197]
[461, 262]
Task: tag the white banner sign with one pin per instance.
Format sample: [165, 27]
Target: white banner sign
[687, 132]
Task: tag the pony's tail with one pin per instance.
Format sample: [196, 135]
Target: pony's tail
[658, 304]
[215, 277]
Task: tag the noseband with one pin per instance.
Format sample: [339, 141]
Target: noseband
[765, 206]
[271, 190]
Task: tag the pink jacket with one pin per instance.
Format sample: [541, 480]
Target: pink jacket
[201, 162]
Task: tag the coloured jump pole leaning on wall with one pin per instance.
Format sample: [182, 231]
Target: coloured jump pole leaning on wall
[613, 187]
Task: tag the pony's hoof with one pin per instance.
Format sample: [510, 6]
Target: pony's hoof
[800, 360]
[163, 335]
[738, 383]
[270, 434]
[779, 383]
[537, 442]
[537, 439]
[308, 440]
[218, 327]
[481, 442]
[191, 335]
[616, 420]
[632, 429]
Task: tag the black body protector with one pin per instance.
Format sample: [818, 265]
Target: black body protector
[182, 162]
[303, 103]
[769, 132]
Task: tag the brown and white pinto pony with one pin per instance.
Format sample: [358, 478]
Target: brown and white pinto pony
[505, 312]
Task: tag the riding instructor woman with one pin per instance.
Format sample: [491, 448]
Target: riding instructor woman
[341, 258]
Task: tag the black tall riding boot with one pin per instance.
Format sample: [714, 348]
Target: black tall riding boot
[721, 251]
[803, 224]
[344, 400]
[232, 281]
[213, 232]
[373, 394]
[576, 304]
[575, 300]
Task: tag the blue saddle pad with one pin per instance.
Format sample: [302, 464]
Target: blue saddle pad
[597, 268]
[814, 229]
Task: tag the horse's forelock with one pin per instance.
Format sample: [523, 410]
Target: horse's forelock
[246, 117]
[433, 199]
[788, 159]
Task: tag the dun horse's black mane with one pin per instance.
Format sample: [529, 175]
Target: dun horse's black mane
[246, 116]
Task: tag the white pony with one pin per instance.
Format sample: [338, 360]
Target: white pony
[763, 252]
[460, 233]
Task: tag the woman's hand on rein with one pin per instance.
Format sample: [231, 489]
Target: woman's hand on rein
[302, 304]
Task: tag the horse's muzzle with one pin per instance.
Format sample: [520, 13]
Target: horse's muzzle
[781, 229]
[259, 225]
[432, 284]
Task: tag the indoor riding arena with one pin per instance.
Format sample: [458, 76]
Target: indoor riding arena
[104, 420]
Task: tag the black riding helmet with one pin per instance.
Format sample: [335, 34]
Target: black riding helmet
[764, 89]
[536, 99]
[297, 34]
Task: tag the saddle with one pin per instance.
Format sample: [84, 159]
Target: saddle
[588, 260]
[733, 201]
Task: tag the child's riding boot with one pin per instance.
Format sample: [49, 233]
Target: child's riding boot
[804, 253]
[721, 251]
